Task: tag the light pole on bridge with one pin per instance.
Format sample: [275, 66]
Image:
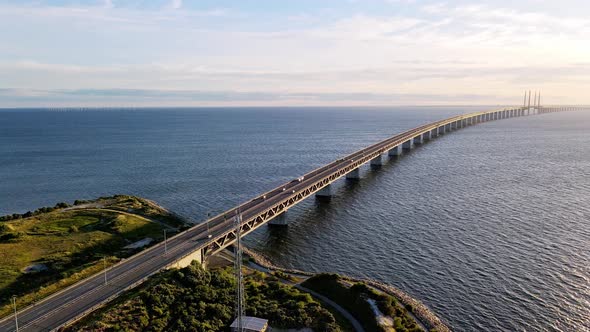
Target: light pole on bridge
[165, 244]
[104, 260]
[15, 312]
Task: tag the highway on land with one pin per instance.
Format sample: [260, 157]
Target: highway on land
[86, 295]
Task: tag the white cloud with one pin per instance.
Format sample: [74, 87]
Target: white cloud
[108, 4]
[176, 4]
[465, 51]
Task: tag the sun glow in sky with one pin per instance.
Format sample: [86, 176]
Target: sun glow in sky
[304, 52]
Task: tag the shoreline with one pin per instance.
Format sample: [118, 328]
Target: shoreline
[420, 311]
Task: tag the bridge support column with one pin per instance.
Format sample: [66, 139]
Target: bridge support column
[427, 136]
[396, 151]
[419, 139]
[407, 144]
[280, 220]
[187, 260]
[324, 194]
[434, 133]
[377, 161]
[355, 174]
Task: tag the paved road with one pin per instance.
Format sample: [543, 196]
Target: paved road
[86, 295]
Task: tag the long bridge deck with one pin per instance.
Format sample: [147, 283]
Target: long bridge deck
[208, 238]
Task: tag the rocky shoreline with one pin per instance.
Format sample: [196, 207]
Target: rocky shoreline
[419, 309]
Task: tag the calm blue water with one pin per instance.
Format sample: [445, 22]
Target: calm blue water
[489, 226]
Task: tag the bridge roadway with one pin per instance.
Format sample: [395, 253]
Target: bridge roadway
[85, 296]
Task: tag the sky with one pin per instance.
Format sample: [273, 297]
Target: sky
[292, 53]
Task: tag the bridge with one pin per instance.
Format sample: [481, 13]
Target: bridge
[217, 233]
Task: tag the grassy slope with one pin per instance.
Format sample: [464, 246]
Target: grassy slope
[72, 243]
[353, 298]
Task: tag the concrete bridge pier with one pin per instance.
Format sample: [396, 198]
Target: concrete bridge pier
[280, 220]
[354, 175]
[377, 161]
[196, 255]
[324, 194]
[407, 144]
[427, 136]
[434, 133]
[419, 139]
[396, 151]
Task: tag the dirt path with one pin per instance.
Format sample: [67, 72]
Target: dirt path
[353, 321]
[90, 207]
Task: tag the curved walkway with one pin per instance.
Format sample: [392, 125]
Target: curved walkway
[353, 321]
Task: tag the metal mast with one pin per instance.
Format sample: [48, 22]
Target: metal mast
[238, 267]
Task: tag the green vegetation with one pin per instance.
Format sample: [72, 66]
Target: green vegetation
[55, 247]
[192, 299]
[354, 299]
[16, 216]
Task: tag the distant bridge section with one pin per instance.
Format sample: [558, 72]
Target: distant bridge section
[208, 238]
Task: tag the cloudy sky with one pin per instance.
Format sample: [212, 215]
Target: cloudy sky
[304, 52]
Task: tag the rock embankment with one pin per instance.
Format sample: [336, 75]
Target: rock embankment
[419, 309]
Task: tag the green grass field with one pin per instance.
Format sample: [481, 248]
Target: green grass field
[71, 243]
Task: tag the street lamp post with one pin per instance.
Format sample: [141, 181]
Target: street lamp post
[15, 313]
[207, 222]
[165, 244]
[104, 260]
